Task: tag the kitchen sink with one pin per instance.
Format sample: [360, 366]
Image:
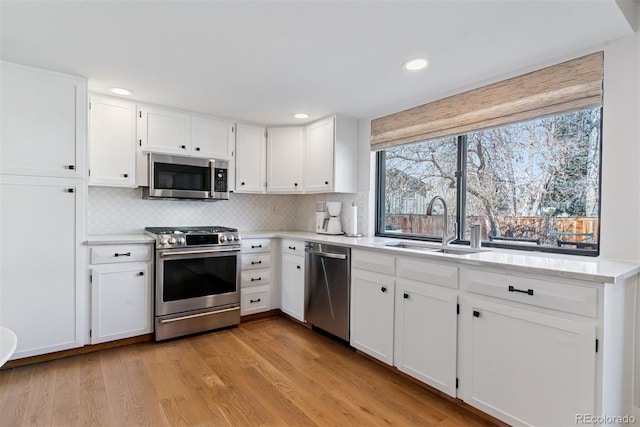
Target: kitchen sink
[425, 248]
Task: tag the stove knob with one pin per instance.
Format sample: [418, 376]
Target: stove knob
[223, 239]
[163, 241]
[231, 237]
[172, 241]
[181, 240]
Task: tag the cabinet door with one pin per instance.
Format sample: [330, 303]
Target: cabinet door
[112, 142]
[163, 130]
[251, 148]
[525, 367]
[372, 297]
[426, 334]
[43, 120]
[42, 274]
[284, 159]
[212, 138]
[292, 301]
[319, 152]
[121, 303]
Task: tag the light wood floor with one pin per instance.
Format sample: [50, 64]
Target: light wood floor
[271, 372]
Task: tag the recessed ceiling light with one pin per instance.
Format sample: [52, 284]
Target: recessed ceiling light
[121, 91]
[415, 64]
[301, 115]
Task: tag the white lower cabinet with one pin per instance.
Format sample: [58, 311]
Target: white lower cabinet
[426, 325]
[257, 290]
[292, 291]
[121, 301]
[528, 368]
[121, 291]
[372, 298]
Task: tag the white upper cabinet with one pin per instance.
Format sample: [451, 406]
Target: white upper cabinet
[251, 153]
[331, 162]
[284, 159]
[112, 142]
[43, 123]
[212, 138]
[163, 130]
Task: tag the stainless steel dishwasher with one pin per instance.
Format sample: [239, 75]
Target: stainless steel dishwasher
[327, 288]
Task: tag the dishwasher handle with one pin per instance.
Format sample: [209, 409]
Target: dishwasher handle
[326, 254]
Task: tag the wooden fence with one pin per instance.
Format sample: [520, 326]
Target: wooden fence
[549, 230]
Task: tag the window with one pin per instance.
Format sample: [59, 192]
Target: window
[531, 185]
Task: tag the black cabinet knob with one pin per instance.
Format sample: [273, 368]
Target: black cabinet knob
[70, 190]
[326, 183]
[126, 175]
[242, 183]
[71, 167]
[406, 295]
[298, 267]
[383, 289]
[184, 147]
[141, 273]
[197, 148]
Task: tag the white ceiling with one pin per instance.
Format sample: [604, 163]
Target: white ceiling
[262, 61]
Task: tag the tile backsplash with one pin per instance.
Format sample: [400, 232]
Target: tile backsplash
[123, 210]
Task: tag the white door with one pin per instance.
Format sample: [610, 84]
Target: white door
[372, 298]
[112, 142]
[162, 130]
[319, 152]
[121, 301]
[284, 159]
[43, 118]
[426, 334]
[251, 154]
[212, 138]
[292, 292]
[525, 367]
[41, 276]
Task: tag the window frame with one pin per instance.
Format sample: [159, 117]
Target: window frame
[461, 175]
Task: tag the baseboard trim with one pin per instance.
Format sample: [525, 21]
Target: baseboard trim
[76, 351]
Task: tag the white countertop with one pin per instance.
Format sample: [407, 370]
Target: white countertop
[119, 239]
[593, 269]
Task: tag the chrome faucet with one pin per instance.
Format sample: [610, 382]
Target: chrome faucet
[446, 237]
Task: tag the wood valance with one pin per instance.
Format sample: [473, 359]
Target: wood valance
[564, 87]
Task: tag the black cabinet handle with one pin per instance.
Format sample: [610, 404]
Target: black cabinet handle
[293, 248]
[254, 246]
[117, 254]
[298, 267]
[383, 289]
[70, 190]
[528, 291]
[197, 148]
[184, 147]
[256, 262]
[126, 175]
[406, 295]
[141, 273]
[254, 300]
[256, 279]
[71, 167]
[476, 313]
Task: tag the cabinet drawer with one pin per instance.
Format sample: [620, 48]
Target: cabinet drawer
[542, 293]
[120, 253]
[255, 277]
[373, 261]
[428, 272]
[253, 261]
[254, 299]
[294, 247]
[250, 246]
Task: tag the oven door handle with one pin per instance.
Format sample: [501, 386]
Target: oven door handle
[208, 251]
[193, 316]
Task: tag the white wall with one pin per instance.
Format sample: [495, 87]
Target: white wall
[620, 216]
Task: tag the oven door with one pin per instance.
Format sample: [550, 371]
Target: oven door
[194, 279]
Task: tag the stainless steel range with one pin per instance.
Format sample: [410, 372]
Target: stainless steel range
[197, 279]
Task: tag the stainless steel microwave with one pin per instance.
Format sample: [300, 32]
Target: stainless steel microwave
[179, 177]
